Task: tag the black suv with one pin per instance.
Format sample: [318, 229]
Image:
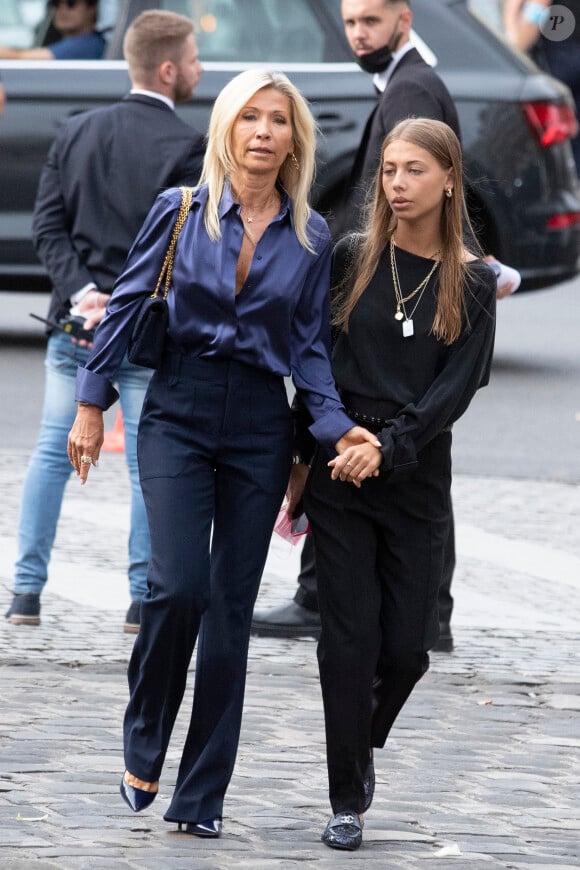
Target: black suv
[516, 122]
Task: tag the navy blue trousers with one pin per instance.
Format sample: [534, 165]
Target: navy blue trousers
[379, 558]
[215, 452]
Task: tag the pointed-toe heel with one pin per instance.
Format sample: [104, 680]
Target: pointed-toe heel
[136, 798]
[206, 828]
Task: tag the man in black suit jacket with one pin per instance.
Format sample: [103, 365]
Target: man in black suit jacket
[103, 173]
[379, 34]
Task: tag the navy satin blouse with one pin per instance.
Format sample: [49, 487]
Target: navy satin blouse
[279, 321]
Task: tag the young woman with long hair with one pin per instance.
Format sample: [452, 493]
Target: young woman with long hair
[414, 317]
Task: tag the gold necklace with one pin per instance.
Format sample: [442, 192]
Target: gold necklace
[250, 218]
[400, 312]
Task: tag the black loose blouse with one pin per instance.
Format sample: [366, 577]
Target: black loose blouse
[430, 383]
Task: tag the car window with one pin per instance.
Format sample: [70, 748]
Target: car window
[266, 31]
[488, 11]
[460, 37]
[23, 23]
[18, 20]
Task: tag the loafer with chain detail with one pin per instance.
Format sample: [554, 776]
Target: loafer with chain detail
[343, 831]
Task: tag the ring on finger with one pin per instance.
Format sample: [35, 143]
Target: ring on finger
[86, 460]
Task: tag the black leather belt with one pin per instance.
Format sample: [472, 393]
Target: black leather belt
[372, 413]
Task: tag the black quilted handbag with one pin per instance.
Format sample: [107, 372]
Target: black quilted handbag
[148, 338]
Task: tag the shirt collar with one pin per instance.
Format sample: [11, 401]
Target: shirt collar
[381, 80]
[155, 95]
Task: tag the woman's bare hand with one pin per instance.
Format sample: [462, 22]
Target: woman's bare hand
[355, 464]
[85, 440]
[296, 486]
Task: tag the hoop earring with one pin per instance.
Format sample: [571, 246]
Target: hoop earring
[295, 163]
[448, 192]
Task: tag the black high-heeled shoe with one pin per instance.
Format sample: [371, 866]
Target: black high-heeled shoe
[206, 828]
[137, 798]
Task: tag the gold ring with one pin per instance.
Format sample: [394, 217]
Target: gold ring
[86, 460]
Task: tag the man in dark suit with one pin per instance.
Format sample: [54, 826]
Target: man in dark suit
[103, 173]
[379, 34]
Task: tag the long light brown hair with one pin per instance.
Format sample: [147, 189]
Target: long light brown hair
[381, 223]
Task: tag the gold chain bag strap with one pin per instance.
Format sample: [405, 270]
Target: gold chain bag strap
[148, 338]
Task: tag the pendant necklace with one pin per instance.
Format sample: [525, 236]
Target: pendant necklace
[401, 311]
[250, 218]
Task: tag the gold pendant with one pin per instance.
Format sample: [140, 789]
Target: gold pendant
[398, 314]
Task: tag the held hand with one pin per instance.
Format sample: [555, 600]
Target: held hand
[356, 435]
[85, 440]
[356, 464]
[296, 486]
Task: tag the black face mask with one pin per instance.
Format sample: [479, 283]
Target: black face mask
[377, 61]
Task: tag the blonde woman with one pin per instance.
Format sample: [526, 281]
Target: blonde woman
[248, 306]
[415, 321]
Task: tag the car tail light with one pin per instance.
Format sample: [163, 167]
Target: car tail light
[564, 221]
[551, 122]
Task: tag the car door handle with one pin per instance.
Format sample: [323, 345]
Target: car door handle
[330, 122]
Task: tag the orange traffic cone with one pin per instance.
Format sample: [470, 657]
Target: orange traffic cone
[115, 438]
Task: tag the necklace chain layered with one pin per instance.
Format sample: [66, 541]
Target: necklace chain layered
[401, 311]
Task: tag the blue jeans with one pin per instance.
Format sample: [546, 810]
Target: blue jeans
[49, 468]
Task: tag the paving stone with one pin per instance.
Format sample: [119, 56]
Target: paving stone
[485, 755]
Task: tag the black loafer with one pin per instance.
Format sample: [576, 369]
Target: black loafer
[344, 831]
[289, 620]
[444, 642]
[369, 782]
[206, 828]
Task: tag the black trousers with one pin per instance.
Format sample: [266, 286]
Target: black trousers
[307, 592]
[215, 452]
[379, 557]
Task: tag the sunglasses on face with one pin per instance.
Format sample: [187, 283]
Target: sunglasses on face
[54, 4]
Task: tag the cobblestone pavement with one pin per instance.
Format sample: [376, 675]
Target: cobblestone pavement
[482, 770]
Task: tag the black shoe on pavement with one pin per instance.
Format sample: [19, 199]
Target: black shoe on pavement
[289, 620]
[25, 609]
[343, 831]
[445, 642]
[133, 618]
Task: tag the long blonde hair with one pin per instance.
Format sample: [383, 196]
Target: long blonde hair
[381, 223]
[295, 175]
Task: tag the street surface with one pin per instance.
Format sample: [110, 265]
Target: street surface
[481, 770]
